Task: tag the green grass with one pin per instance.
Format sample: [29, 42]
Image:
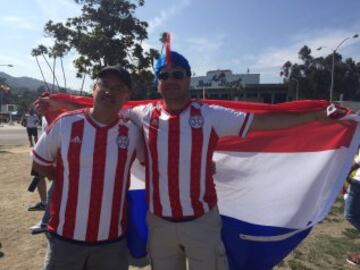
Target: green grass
[327, 247]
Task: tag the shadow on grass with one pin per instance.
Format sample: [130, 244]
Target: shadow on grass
[1, 253]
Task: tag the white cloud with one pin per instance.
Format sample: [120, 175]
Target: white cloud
[270, 61]
[167, 14]
[202, 51]
[17, 22]
[58, 10]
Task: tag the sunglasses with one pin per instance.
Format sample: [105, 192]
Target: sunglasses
[177, 74]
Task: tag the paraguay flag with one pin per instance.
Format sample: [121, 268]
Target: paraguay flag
[273, 186]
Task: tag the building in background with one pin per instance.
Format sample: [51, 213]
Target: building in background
[223, 84]
[8, 113]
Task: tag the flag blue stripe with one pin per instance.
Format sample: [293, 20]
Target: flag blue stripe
[245, 254]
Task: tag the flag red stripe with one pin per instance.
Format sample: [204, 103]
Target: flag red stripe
[310, 137]
[196, 154]
[153, 137]
[173, 165]
[97, 185]
[210, 193]
[77, 131]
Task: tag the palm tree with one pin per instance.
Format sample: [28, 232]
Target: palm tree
[43, 50]
[35, 53]
[59, 50]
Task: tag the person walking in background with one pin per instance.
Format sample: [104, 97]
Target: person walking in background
[31, 121]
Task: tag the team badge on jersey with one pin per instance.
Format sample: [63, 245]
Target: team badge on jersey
[196, 121]
[123, 142]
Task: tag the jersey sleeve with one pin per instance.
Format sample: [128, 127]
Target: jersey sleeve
[136, 115]
[45, 150]
[228, 122]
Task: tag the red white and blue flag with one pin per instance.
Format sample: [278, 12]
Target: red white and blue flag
[273, 186]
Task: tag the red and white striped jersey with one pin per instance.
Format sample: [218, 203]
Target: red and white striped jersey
[88, 203]
[179, 150]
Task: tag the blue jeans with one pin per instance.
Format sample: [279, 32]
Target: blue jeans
[352, 205]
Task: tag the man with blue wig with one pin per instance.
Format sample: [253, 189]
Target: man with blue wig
[180, 136]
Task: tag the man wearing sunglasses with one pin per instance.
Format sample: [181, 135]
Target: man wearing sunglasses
[180, 136]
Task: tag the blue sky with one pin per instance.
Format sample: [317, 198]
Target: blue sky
[228, 34]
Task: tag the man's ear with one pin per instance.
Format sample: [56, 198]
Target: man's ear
[93, 89]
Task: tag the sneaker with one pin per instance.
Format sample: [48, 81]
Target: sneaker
[38, 228]
[354, 259]
[38, 207]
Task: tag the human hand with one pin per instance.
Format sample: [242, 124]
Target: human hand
[46, 104]
[335, 111]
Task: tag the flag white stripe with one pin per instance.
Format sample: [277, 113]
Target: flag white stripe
[278, 189]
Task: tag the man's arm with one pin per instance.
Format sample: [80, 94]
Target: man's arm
[47, 171]
[285, 120]
[44, 104]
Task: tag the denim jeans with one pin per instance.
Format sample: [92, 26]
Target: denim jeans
[352, 205]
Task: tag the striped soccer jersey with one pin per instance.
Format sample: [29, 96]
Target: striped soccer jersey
[88, 203]
[179, 150]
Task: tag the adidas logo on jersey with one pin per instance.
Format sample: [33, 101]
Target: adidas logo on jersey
[76, 140]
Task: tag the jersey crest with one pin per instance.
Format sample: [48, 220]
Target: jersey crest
[123, 142]
[196, 121]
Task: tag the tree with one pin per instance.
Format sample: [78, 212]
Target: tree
[314, 76]
[106, 33]
[35, 53]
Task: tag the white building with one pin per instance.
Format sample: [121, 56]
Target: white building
[8, 108]
[221, 78]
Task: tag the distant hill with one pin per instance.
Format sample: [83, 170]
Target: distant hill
[19, 82]
[24, 82]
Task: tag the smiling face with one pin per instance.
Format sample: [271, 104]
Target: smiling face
[174, 84]
[110, 93]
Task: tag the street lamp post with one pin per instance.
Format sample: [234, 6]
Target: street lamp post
[297, 88]
[1, 92]
[333, 62]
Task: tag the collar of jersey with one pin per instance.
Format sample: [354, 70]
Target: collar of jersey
[165, 108]
[95, 125]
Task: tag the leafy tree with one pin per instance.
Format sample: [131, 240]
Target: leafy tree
[106, 33]
[314, 76]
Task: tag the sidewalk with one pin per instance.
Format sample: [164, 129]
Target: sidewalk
[9, 126]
